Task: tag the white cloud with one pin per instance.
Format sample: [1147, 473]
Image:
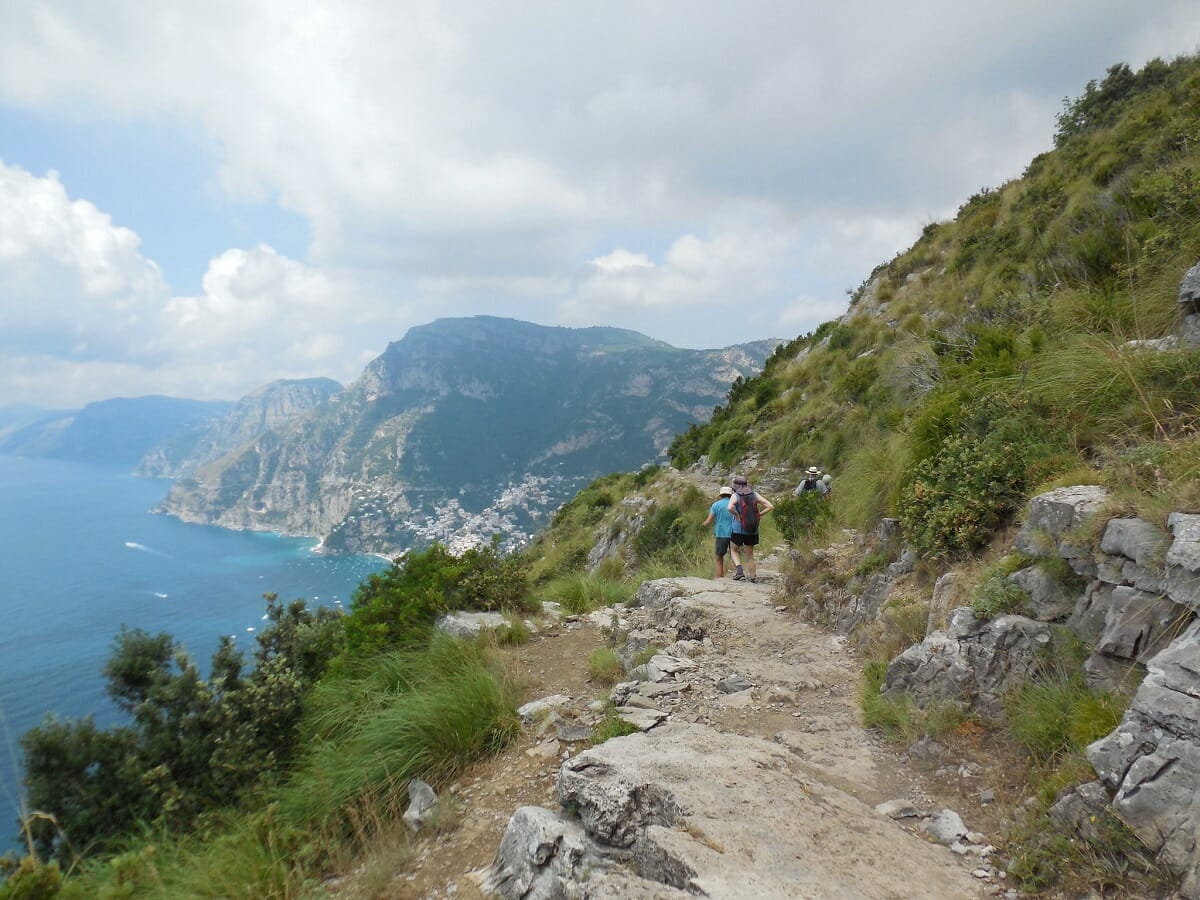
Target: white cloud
[625, 163]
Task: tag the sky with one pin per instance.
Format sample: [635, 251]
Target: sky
[199, 198]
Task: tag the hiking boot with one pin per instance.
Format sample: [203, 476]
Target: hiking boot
[739, 575]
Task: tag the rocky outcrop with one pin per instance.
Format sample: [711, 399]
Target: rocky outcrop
[1189, 307]
[1151, 762]
[972, 664]
[687, 810]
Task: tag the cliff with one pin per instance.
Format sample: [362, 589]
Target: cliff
[462, 429]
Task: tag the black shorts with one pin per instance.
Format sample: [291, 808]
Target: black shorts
[721, 546]
[744, 540]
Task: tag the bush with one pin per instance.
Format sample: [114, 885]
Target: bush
[1054, 716]
[796, 516]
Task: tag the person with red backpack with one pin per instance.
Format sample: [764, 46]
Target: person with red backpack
[747, 508]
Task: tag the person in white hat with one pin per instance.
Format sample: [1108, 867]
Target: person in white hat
[721, 520]
[812, 482]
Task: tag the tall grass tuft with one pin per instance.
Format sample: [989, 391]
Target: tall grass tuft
[581, 593]
[454, 710]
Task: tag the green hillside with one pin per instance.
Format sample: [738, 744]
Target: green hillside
[993, 357]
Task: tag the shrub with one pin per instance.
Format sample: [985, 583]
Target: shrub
[796, 516]
[997, 596]
[584, 593]
[1053, 716]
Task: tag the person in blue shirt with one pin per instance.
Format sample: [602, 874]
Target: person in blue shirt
[722, 521]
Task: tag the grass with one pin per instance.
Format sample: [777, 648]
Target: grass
[579, 593]
[604, 666]
[611, 726]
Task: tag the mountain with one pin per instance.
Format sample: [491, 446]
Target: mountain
[118, 431]
[462, 429]
[271, 406]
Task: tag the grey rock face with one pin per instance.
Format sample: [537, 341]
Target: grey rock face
[657, 594]
[1152, 760]
[422, 801]
[1054, 513]
[1135, 539]
[1189, 307]
[972, 664]
[1051, 600]
[542, 855]
[1183, 560]
[1082, 809]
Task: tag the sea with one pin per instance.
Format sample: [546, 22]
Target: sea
[81, 555]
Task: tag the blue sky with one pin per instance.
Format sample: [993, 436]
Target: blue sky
[196, 199]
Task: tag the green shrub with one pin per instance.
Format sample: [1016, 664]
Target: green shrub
[997, 596]
[796, 516]
[1053, 716]
[611, 726]
[583, 593]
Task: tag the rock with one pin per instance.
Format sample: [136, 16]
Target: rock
[639, 702]
[537, 709]
[1084, 810]
[603, 618]
[945, 827]
[888, 529]
[987, 796]
[949, 592]
[737, 700]
[1123, 622]
[540, 854]
[573, 734]
[641, 719]
[657, 594]
[732, 684]
[1189, 332]
[898, 809]
[1054, 513]
[1135, 539]
[1107, 673]
[1183, 560]
[661, 667]
[972, 664]
[1152, 760]
[421, 803]
[1051, 600]
[545, 749]
[928, 750]
[688, 648]
[904, 565]
[552, 608]
[470, 624]
[1189, 290]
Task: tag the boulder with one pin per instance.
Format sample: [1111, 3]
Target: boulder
[1182, 582]
[539, 709]
[1052, 601]
[1135, 539]
[657, 594]
[470, 624]
[422, 801]
[1152, 760]
[1084, 810]
[1054, 513]
[1137, 624]
[972, 664]
[542, 856]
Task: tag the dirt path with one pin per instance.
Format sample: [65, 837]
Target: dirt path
[822, 835]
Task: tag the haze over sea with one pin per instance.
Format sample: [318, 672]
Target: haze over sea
[80, 555]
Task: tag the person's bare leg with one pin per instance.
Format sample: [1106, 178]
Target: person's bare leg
[751, 566]
[734, 555]
[720, 566]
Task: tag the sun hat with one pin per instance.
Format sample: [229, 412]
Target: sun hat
[812, 470]
[726, 492]
[741, 485]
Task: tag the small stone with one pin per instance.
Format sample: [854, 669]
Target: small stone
[981, 873]
[987, 796]
[733, 684]
[545, 750]
[898, 809]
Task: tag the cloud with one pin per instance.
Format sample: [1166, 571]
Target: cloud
[84, 315]
[643, 165]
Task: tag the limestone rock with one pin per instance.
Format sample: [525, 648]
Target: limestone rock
[469, 624]
[541, 855]
[972, 664]
[1135, 539]
[1054, 513]
[1183, 560]
[656, 594]
[945, 827]
[1051, 600]
[422, 801]
[1082, 809]
[537, 709]
[1152, 760]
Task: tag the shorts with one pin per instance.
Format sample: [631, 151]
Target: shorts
[744, 540]
[721, 546]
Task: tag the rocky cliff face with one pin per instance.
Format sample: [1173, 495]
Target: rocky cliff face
[270, 407]
[462, 429]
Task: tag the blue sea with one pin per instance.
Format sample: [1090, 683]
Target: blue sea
[81, 555]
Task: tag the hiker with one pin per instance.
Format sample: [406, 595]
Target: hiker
[721, 520]
[813, 482]
[748, 508]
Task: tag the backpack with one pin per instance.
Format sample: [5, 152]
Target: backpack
[747, 512]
